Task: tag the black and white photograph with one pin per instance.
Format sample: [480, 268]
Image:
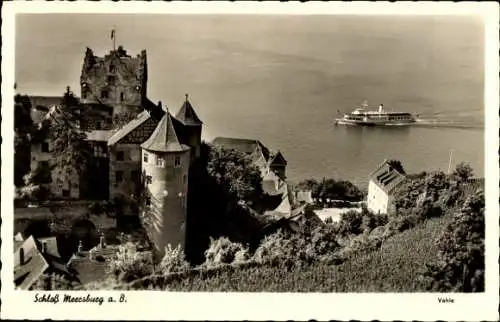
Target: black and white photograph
[225, 153]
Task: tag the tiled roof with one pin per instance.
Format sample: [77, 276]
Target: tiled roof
[129, 127]
[187, 115]
[164, 138]
[36, 262]
[247, 146]
[387, 177]
[278, 158]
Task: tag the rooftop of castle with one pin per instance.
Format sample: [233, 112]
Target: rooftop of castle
[187, 115]
[164, 138]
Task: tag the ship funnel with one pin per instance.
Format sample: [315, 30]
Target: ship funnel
[381, 108]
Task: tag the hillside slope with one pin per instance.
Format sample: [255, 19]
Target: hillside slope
[392, 268]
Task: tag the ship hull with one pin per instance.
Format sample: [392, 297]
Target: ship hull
[373, 123]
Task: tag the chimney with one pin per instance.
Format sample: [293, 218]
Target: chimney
[21, 256]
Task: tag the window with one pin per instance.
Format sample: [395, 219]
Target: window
[177, 161]
[134, 175]
[112, 68]
[145, 157]
[160, 161]
[104, 94]
[65, 193]
[84, 94]
[122, 97]
[148, 201]
[45, 147]
[119, 176]
[120, 156]
[149, 179]
[184, 179]
[111, 80]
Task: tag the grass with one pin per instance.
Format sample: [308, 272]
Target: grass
[394, 267]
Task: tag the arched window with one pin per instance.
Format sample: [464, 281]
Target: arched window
[122, 96]
[112, 68]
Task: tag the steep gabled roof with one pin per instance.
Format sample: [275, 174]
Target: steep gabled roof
[247, 146]
[129, 127]
[278, 158]
[36, 262]
[187, 115]
[387, 177]
[164, 138]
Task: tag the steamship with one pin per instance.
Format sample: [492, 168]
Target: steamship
[363, 116]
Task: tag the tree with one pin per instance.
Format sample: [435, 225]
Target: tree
[23, 129]
[35, 184]
[463, 171]
[460, 266]
[235, 174]
[70, 151]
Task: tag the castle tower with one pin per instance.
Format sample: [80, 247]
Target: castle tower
[117, 80]
[191, 129]
[165, 164]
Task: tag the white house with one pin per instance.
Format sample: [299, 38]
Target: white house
[381, 187]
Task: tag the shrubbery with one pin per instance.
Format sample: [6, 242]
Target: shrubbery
[223, 251]
[461, 251]
[129, 264]
[173, 261]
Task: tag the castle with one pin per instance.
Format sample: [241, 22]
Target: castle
[149, 155]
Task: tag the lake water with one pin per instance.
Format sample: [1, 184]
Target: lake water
[284, 80]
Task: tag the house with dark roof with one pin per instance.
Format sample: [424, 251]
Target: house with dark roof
[382, 183]
[262, 157]
[35, 257]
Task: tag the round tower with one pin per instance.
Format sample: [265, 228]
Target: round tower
[164, 164]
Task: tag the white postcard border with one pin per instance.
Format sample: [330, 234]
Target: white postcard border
[153, 305]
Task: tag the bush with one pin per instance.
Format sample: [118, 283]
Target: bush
[463, 171]
[173, 261]
[371, 221]
[350, 223]
[223, 251]
[129, 264]
[461, 251]
[274, 247]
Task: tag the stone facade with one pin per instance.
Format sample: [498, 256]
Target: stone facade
[62, 185]
[117, 80]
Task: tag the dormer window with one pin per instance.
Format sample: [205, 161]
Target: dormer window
[112, 68]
